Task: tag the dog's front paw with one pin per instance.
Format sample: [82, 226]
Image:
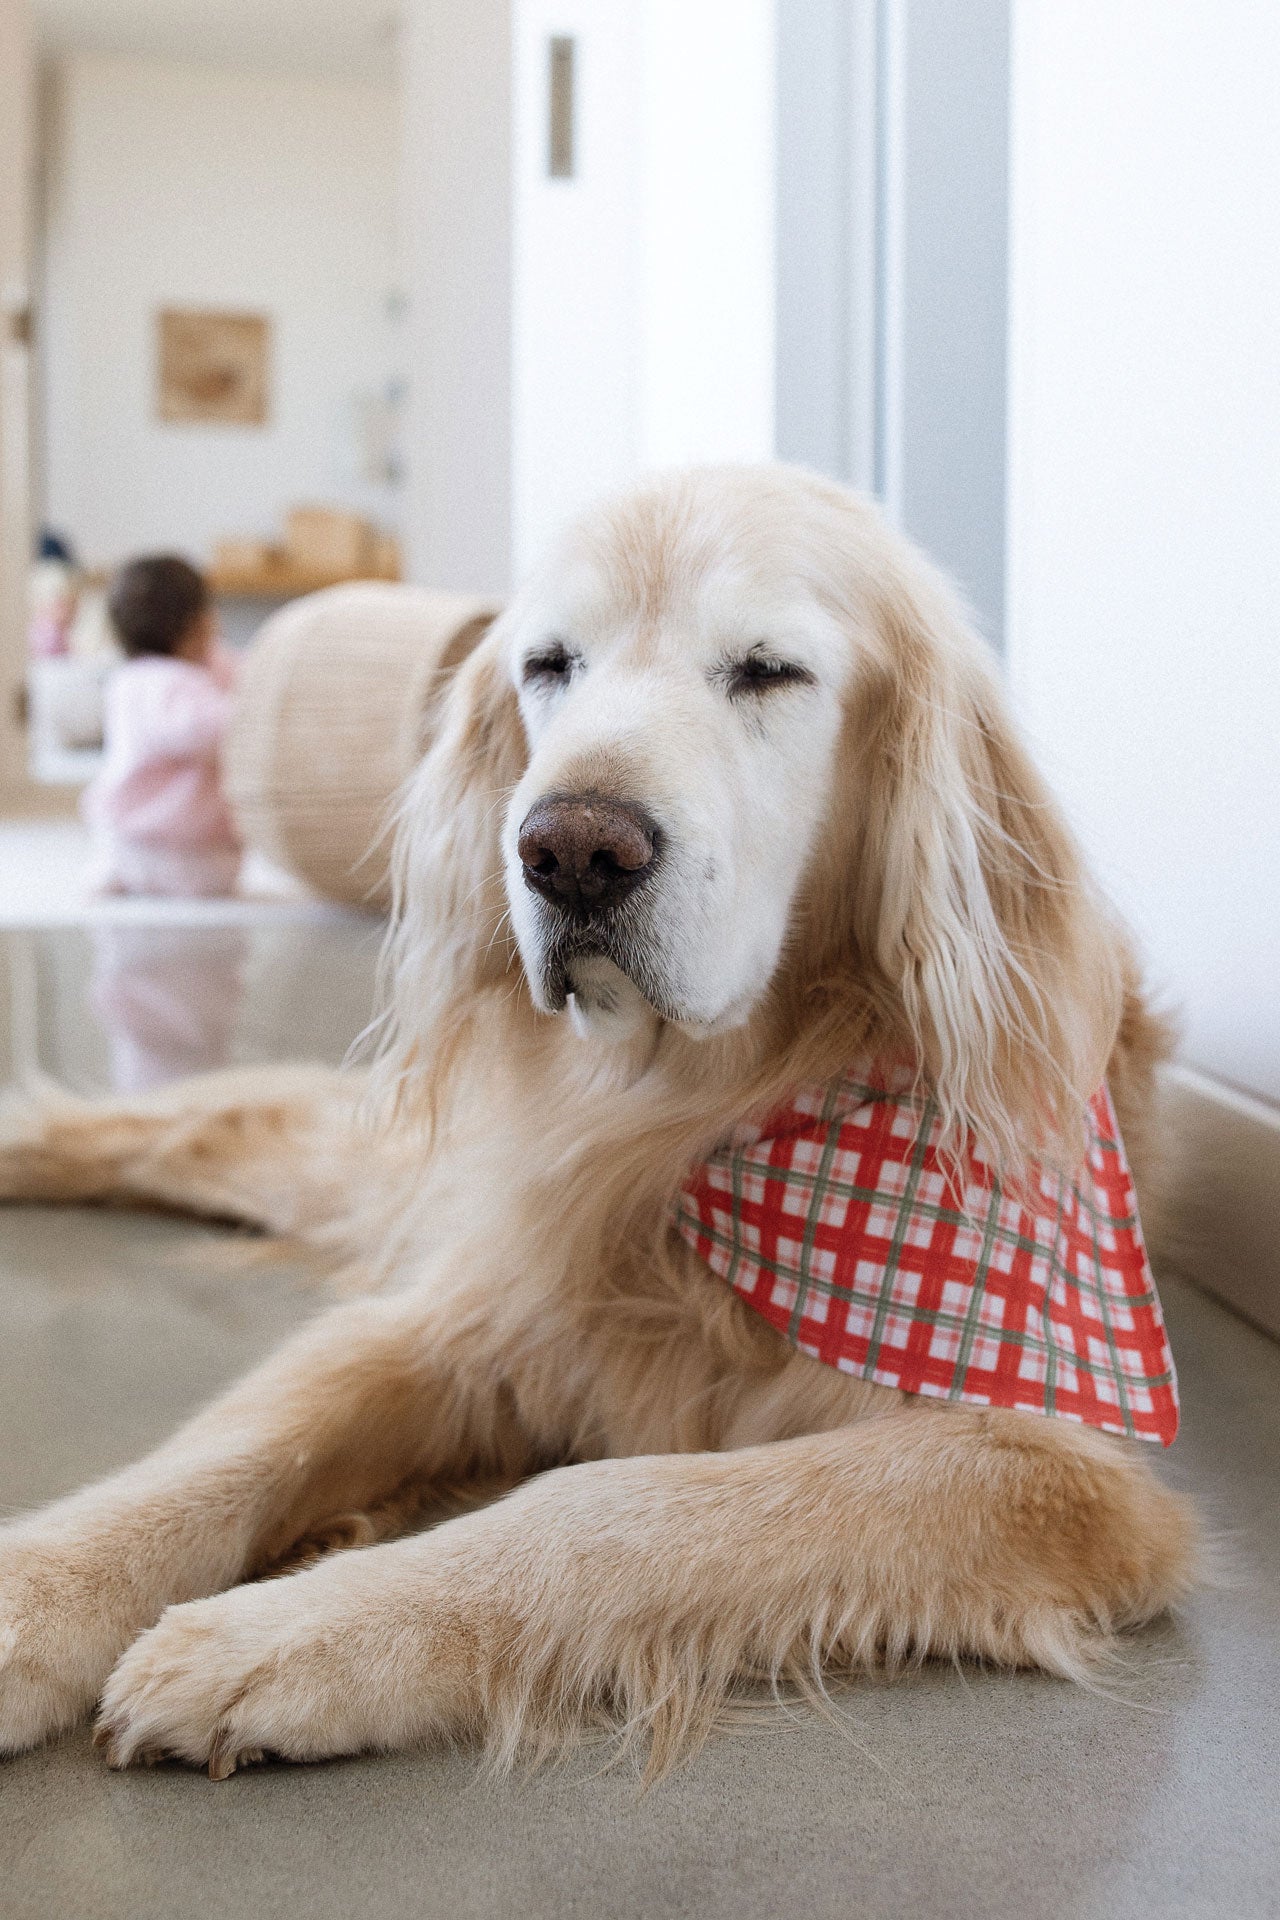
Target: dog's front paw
[218, 1683]
[62, 1626]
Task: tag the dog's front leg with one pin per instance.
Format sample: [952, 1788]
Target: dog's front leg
[640, 1592]
[368, 1397]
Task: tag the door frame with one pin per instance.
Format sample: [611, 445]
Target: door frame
[18, 792]
[892, 266]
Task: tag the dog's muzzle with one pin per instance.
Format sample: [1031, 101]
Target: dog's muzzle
[585, 854]
[590, 859]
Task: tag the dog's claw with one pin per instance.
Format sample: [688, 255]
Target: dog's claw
[110, 1738]
[224, 1759]
[107, 1737]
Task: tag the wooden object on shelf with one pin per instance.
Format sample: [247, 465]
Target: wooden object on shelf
[386, 557]
[273, 574]
[329, 540]
[336, 703]
[324, 548]
[278, 578]
[239, 555]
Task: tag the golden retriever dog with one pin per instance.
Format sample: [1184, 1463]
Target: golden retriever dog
[727, 800]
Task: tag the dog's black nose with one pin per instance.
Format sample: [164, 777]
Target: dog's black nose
[585, 852]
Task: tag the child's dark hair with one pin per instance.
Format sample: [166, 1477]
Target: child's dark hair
[153, 603]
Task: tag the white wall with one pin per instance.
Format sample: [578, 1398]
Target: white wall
[644, 323]
[578, 276]
[173, 185]
[571, 333]
[708, 240]
[457, 195]
[1144, 586]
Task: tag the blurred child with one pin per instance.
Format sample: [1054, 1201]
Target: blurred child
[156, 810]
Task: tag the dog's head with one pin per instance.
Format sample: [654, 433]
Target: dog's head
[681, 680]
[735, 731]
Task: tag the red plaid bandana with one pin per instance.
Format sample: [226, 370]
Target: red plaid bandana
[842, 1226]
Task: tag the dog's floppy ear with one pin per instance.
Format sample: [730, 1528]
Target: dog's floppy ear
[448, 937]
[974, 905]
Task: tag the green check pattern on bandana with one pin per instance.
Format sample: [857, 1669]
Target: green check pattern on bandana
[843, 1225]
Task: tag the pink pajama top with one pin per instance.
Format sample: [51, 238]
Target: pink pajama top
[156, 808]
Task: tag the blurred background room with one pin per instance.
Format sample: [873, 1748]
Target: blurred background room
[351, 305]
[313, 292]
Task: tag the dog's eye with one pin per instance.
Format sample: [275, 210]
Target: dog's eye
[550, 666]
[758, 673]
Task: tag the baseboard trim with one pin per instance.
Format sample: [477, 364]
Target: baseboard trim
[1221, 1224]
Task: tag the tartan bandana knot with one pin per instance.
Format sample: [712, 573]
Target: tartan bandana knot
[842, 1225]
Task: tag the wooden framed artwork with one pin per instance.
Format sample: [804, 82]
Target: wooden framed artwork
[213, 368]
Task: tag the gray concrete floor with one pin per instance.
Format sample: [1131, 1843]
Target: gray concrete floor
[949, 1794]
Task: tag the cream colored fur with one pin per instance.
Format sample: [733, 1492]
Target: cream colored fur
[862, 860]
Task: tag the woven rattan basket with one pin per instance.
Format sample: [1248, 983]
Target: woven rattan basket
[334, 711]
